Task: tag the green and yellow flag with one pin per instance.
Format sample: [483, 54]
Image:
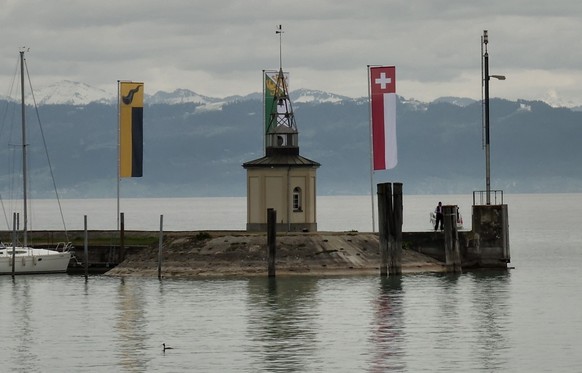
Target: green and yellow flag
[130, 129]
[273, 89]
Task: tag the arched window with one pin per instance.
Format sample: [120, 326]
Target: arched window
[297, 199]
[281, 140]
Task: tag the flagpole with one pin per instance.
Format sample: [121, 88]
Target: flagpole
[263, 130]
[118, 151]
[371, 155]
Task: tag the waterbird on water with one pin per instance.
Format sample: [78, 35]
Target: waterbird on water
[167, 348]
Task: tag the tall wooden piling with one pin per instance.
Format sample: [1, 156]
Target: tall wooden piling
[452, 248]
[271, 240]
[384, 208]
[390, 228]
[160, 246]
[14, 218]
[395, 254]
[121, 238]
[86, 249]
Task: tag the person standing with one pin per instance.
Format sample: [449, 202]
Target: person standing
[439, 216]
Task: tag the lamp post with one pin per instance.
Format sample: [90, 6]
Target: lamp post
[486, 78]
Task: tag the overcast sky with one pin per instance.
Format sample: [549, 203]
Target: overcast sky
[219, 48]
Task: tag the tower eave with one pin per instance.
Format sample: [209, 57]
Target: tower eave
[281, 160]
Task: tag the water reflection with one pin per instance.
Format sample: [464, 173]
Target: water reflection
[22, 328]
[130, 326]
[477, 321]
[281, 323]
[387, 329]
[448, 319]
[491, 313]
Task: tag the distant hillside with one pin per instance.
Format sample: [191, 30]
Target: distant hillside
[197, 149]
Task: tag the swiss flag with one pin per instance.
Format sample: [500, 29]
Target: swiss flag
[383, 104]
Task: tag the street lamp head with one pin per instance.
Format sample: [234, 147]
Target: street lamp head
[485, 37]
[500, 77]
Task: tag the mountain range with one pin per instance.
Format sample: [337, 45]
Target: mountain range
[67, 92]
[194, 145]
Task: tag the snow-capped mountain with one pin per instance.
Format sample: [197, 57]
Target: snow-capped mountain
[459, 101]
[75, 93]
[554, 100]
[70, 93]
[315, 96]
[214, 136]
[180, 96]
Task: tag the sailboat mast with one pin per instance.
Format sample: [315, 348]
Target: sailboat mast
[24, 161]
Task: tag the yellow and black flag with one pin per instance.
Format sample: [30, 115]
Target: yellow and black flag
[130, 129]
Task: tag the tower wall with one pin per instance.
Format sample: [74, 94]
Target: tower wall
[274, 187]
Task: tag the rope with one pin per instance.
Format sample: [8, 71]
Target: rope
[2, 128]
[47, 153]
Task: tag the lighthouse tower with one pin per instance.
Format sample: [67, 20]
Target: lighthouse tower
[282, 179]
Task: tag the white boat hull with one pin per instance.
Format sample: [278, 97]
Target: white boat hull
[33, 261]
[23, 259]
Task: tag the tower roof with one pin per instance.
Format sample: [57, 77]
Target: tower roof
[281, 135]
[281, 158]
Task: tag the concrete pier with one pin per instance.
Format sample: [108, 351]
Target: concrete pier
[486, 245]
[217, 253]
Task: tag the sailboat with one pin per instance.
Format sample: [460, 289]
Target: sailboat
[19, 258]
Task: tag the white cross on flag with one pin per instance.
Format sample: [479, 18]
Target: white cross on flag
[383, 104]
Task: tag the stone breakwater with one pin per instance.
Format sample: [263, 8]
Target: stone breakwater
[205, 254]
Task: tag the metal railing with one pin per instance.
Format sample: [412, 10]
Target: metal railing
[480, 197]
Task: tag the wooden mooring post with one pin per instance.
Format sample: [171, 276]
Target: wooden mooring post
[86, 249]
[14, 218]
[121, 238]
[390, 228]
[452, 249]
[160, 246]
[271, 240]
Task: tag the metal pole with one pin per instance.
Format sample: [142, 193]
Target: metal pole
[264, 127]
[487, 143]
[118, 151]
[24, 160]
[371, 155]
[280, 32]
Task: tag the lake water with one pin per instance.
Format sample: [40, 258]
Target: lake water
[337, 213]
[527, 319]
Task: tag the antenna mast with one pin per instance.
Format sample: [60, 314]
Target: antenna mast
[280, 32]
[484, 41]
[24, 158]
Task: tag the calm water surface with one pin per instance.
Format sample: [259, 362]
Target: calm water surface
[337, 213]
[525, 320]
